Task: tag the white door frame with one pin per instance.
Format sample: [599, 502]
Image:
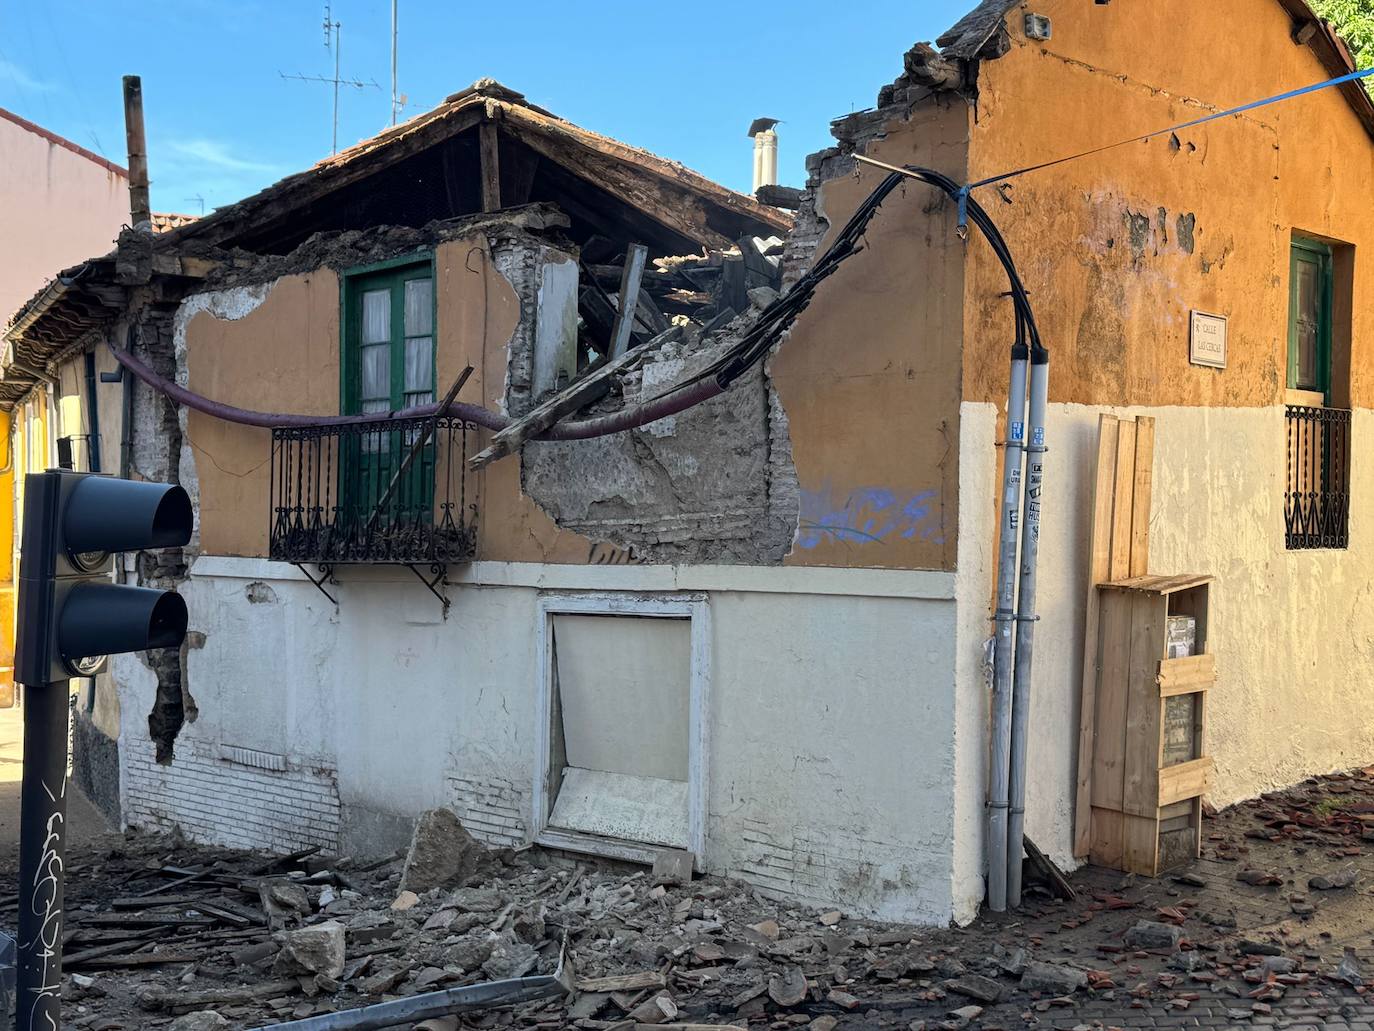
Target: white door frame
[691, 607]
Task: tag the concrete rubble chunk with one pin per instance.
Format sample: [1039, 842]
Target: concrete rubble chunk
[442, 853]
[1278, 964]
[1343, 879]
[788, 988]
[283, 901]
[1150, 934]
[768, 928]
[404, 901]
[962, 1017]
[510, 959]
[202, 1020]
[317, 949]
[656, 1010]
[1348, 971]
[470, 953]
[673, 867]
[1188, 961]
[475, 900]
[1053, 979]
[975, 987]
[1010, 960]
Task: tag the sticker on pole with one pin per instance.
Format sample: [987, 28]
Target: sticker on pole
[1018, 431]
[1038, 437]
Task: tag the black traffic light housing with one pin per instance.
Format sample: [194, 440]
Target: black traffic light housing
[70, 614]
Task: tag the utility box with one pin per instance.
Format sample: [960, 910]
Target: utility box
[1150, 769]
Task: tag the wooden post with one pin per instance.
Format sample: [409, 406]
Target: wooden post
[491, 167]
[140, 213]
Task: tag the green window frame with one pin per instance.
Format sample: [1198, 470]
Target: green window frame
[388, 317]
[388, 320]
[1311, 293]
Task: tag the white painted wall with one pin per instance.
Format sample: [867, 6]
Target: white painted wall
[1291, 630]
[831, 712]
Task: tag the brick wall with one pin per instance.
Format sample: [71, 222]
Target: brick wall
[232, 797]
[493, 810]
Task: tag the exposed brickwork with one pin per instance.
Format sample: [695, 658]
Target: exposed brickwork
[492, 810]
[221, 802]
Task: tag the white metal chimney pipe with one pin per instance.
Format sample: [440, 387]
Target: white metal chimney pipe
[765, 159]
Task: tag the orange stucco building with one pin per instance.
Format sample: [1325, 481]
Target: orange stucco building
[754, 628]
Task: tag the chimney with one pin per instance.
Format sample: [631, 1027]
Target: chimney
[765, 152]
[140, 214]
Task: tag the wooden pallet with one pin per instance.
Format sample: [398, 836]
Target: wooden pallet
[1120, 549]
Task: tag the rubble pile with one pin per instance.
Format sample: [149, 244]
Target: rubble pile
[201, 938]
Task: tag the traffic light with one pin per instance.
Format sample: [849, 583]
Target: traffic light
[71, 615]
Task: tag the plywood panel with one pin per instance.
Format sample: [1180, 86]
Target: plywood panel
[1104, 846]
[1184, 781]
[1143, 731]
[1109, 736]
[1120, 549]
[1143, 481]
[1099, 569]
[623, 693]
[1187, 675]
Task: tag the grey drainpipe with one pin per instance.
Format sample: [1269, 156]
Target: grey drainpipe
[92, 416]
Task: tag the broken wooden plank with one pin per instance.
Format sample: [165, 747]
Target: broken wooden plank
[221, 914]
[491, 167]
[108, 949]
[139, 959]
[281, 862]
[567, 401]
[628, 298]
[1044, 869]
[146, 920]
[152, 901]
[182, 1000]
[623, 982]
[786, 197]
[648, 315]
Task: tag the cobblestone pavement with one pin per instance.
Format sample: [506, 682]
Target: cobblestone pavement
[1272, 927]
[1282, 896]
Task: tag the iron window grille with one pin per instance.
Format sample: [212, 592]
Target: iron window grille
[1316, 503]
[344, 494]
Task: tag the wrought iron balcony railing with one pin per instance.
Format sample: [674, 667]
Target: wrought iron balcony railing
[1316, 503]
[387, 491]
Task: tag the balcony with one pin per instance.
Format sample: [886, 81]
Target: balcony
[1316, 502]
[391, 491]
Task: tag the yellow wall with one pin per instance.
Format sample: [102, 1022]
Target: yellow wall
[283, 356]
[1098, 239]
[870, 374]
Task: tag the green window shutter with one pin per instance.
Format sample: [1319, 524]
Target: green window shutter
[1310, 299]
[387, 359]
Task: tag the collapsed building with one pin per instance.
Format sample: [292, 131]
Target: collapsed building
[426, 573]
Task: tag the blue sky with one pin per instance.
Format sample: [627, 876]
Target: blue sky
[681, 79]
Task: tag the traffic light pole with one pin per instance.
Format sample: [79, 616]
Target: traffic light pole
[42, 855]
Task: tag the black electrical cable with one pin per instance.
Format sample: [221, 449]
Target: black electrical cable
[777, 317]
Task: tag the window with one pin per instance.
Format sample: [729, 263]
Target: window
[388, 365]
[1309, 318]
[1317, 494]
[621, 765]
[389, 339]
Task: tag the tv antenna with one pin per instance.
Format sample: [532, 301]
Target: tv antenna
[197, 199]
[333, 36]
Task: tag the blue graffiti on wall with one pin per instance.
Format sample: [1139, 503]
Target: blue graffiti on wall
[867, 515]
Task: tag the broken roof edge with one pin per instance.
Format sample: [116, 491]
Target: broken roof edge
[966, 38]
[484, 101]
[969, 36]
